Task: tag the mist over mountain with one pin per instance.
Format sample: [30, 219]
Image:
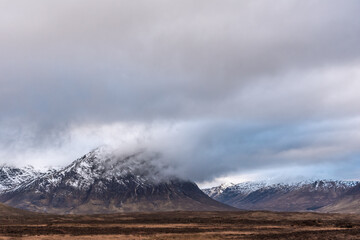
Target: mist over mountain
[108, 180]
[104, 181]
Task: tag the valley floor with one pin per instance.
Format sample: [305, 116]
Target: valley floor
[182, 225]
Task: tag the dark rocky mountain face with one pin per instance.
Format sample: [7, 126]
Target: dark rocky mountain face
[303, 196]
[102, 182]
[347, 203]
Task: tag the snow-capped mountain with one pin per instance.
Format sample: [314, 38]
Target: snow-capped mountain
[103, 181]
[299, 196]
[214, 192]
[11, 177]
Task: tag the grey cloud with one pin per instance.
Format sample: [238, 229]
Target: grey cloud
[223, 147]
[160, 56]
[66, 64]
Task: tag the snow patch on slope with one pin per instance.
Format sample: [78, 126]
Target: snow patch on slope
[11, 177]
[104, 165]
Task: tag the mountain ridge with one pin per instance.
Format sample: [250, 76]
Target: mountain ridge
[104, 182]
[307, 195]
[11, 177]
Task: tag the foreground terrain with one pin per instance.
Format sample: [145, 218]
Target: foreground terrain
[181, 225]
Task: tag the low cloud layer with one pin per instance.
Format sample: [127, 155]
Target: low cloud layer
[221, 87]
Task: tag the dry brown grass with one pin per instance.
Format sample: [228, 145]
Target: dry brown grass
[182, 225]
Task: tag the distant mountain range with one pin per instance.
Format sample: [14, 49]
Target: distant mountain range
[103, 182]
[319, 195]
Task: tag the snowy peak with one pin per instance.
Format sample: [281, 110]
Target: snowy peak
[240, 188]
[102, 166]
[311, 185]
[11, 177]
[216, 191]
[103, 163]
[249, 187]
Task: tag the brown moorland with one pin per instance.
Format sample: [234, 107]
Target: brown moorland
[179, 225]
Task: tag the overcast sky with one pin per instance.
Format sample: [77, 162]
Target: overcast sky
[227, 90]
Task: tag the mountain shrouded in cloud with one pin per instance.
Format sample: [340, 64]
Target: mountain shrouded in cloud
[219, 87]
[104, 181]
